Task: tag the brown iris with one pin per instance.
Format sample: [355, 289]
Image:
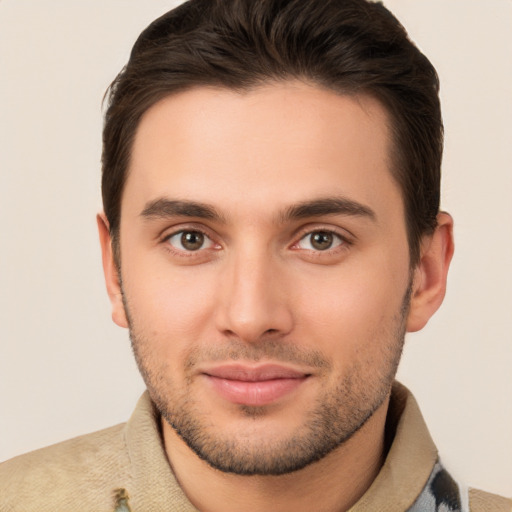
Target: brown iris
[192, 240]
[322, 240]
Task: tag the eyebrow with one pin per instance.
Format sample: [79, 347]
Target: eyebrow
[166, 208]
[327, 206]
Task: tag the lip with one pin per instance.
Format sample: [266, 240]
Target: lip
[254, 386]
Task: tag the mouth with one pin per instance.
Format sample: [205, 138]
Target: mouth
[254, 386]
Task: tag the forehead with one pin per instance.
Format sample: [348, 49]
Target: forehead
[278, 143]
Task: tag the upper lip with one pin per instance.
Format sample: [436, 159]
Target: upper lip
[254, 373]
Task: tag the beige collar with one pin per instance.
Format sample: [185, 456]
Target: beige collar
[409, 462]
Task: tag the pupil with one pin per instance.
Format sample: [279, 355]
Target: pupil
[322, 240]
[192, 240]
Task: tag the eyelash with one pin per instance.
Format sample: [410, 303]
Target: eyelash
[344, 244]
[345, 241]
[335, 235]
[183, 252]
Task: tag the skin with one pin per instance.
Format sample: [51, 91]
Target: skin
[258, 291]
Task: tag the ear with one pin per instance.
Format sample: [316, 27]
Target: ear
[111, 272]
[429, 282]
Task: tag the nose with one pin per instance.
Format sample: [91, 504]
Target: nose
[253, 300]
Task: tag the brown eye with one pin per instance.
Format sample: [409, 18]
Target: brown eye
[320, 241]
[190, 241]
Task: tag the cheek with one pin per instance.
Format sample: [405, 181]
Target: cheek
[354, 308]
[168, 306]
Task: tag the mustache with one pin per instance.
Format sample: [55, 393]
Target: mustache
[262, 350]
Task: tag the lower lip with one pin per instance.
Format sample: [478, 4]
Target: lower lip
[254, 393]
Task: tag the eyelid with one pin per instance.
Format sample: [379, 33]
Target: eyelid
[337, 242]
[168, 233]
[207, 241]
[347, 237]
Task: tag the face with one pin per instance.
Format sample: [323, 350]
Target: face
[265, 270]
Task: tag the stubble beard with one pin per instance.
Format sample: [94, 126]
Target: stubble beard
[338, 413]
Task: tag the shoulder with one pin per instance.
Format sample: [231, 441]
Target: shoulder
[481, 501]
[62, 476]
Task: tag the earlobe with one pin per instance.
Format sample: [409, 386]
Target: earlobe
[111, 272]
[429, 283]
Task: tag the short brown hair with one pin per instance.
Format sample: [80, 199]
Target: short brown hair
[348, 46]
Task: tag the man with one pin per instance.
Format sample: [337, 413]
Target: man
[271, 231]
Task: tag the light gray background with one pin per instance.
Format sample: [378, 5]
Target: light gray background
[65, 369]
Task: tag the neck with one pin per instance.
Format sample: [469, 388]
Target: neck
[332, 484]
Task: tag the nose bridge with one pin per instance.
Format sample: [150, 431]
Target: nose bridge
[253, 303]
